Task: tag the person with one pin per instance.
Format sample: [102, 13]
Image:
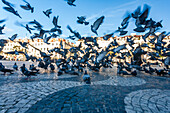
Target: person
[86, 78]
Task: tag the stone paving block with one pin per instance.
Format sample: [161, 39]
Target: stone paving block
[22, 110]
[3, 111]
[19, 105]
[130, 111]
[13, 110]
[24, 101]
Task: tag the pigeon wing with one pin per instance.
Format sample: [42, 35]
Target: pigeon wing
[1, 21]
[10, 9]
[55, 20]
[25, 1]
[25, 7]
[136, 12]
[7, 3]
[70, 29]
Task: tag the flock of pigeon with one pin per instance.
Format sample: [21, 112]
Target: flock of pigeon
[94, 57]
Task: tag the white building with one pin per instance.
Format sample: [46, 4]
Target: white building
[55, 42]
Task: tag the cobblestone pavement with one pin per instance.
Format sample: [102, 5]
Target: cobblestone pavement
[48, 93]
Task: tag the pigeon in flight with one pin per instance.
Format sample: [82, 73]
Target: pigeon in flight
[96, 24]
[136, 13]
[1, 21]
[81, 20]
[1, 28]
[26, 27]
[15, 52]
[56, 26]
[23, 44]
[38, 25]
[13, 37]
[76, 34]
[107, 36]
[27, 6]
[12, 10]
[55, 22]
[126, 19]
[46, 39]
[124, 24]
[70, 2]
[141, 18]
[48, 12]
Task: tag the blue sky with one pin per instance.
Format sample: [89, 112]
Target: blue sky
[113, 10]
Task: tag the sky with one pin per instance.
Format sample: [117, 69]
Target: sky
[113, 10]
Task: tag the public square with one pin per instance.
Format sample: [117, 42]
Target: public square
[108, 93]
[84, 56]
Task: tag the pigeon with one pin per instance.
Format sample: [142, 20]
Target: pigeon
[13, 37]
[60, 72]
[55, 22]
[70, 2]
[121, 29]
[86, 78]
[3, 42]
[26, 27]
[52, 67]
[76, 34]
[48, 12]
[96, 24]
[160, 72]
[33, 68]
[27, 6]
[136, 13]
[12, 10]
[3, 20]
[23, 44]
[82, 20]
[141, 18]
[134, 73]
[106, 37]
[126, 19]
[46, 39]
[4, 70]
[1, 28]
[119, 48]
[145, 36]
[7, 70]
[27, 73]
[15, 52]
[38, 25]
[15, 66]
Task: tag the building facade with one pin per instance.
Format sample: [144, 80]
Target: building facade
[55, 42]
